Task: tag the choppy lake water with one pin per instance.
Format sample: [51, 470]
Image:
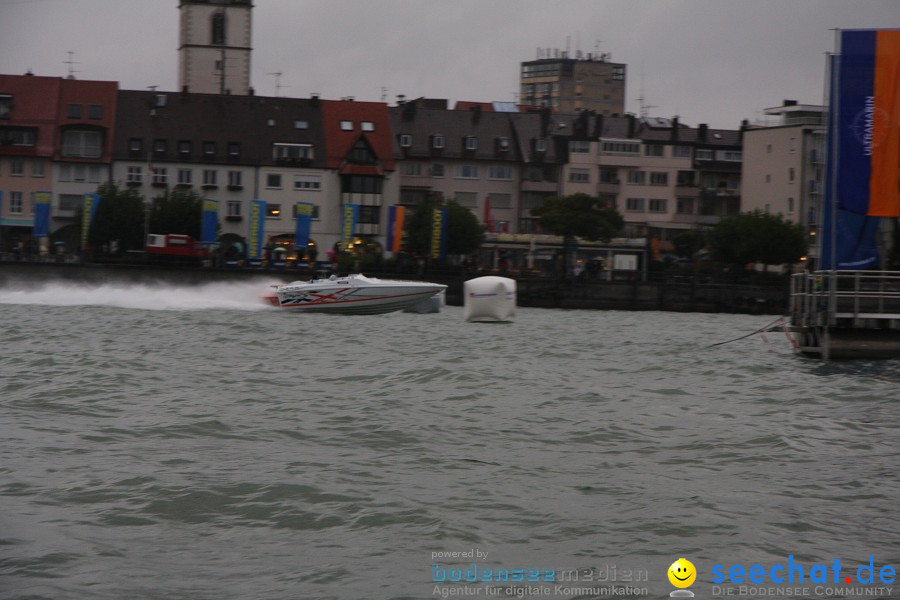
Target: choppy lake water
[187, 442]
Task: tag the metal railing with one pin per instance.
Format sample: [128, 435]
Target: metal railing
[830, 298]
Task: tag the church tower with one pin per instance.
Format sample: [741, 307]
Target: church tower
[214, 46]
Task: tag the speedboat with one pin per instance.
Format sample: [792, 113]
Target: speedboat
[352, 295]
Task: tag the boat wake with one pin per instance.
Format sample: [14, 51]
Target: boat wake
[222, 295]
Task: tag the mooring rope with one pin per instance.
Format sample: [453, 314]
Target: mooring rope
[760, 330]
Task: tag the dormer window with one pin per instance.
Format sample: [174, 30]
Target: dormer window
[367, 126]
[346, 125]
[540, 145]
[503, 144]
[437, 141]
[471, 142]
[6, 101]
[405, 140]
[290, 152]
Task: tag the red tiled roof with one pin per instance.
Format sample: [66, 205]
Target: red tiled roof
[339, 142]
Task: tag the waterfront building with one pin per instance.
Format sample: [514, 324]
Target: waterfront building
[55, 136]
[784, 161]
[569, 85]
[662, 175]
[214, 46]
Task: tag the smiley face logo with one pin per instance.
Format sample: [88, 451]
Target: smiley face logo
[682, 573]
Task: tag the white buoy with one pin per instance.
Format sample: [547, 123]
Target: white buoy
[489, 299]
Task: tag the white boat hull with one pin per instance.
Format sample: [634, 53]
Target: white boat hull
[352, 295]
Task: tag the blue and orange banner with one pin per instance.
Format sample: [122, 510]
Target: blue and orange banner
[868, 122]
[257, 232]
[210, 223]
[349, 217]
[304, 212]
[88, 212]
[42, 202]
[863, 148]
[396, 218]
[439, 234]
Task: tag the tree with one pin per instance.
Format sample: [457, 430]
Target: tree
[578, 215]
[177, 211]
[757, 237]
[464, 233]
[119, 223]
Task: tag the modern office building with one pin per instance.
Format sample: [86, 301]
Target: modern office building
[569, 85]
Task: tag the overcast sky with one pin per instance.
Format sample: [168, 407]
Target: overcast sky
[708, 61]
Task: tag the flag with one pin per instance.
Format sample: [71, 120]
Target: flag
[396, 217]
[210, 229]
[439, 234]
[257, 229]
[88, 212]
[349, 216]
[304, 211]
[488, 218]
[42, 202]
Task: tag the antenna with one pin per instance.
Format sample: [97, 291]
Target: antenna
[71, 64]
[384, 92]
[645, 108]
[278, 85]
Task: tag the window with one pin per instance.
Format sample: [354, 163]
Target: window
[636, 177]
[301, 124]
[234, 149]
[411, 168]
[209, 148]
[5, 105]
[502, 173]
[74, 111]
[658, 205]
[580, 175]
[273, 180]
[273, 210]
[346, 125]
[293, 151]
[185, 176]
[308, 182]
[184, 147]
[503, 144]
[233, 208]
[685, 178]
[471, 142]
[209, 177]
[685, 206]
[681, 151]
[501, 200]
[654, 150]
[367, 126]
[160, 176]
[467, 199]
[620, 147]
[634, 205]
[17, 167]
[82, 144]
[608, 175]
[732, 156]
[792, 145]
[466, 172]
[95, 112]
[659, 178]
[134, 175]
[217, 29]
[405, 140]
[15, 203]
[361, 184]
[437, 141]
[69, 202]
[18, 136]
[790, 206]
[703, 154]
[235, 179]
[579, 147]
[540, 145]
[618, 73]
[369, 215]
[437, 170]
[159, 146]
[37, 168]
[271, 122]
[791, 175]
[362, 154]
[135, 145]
